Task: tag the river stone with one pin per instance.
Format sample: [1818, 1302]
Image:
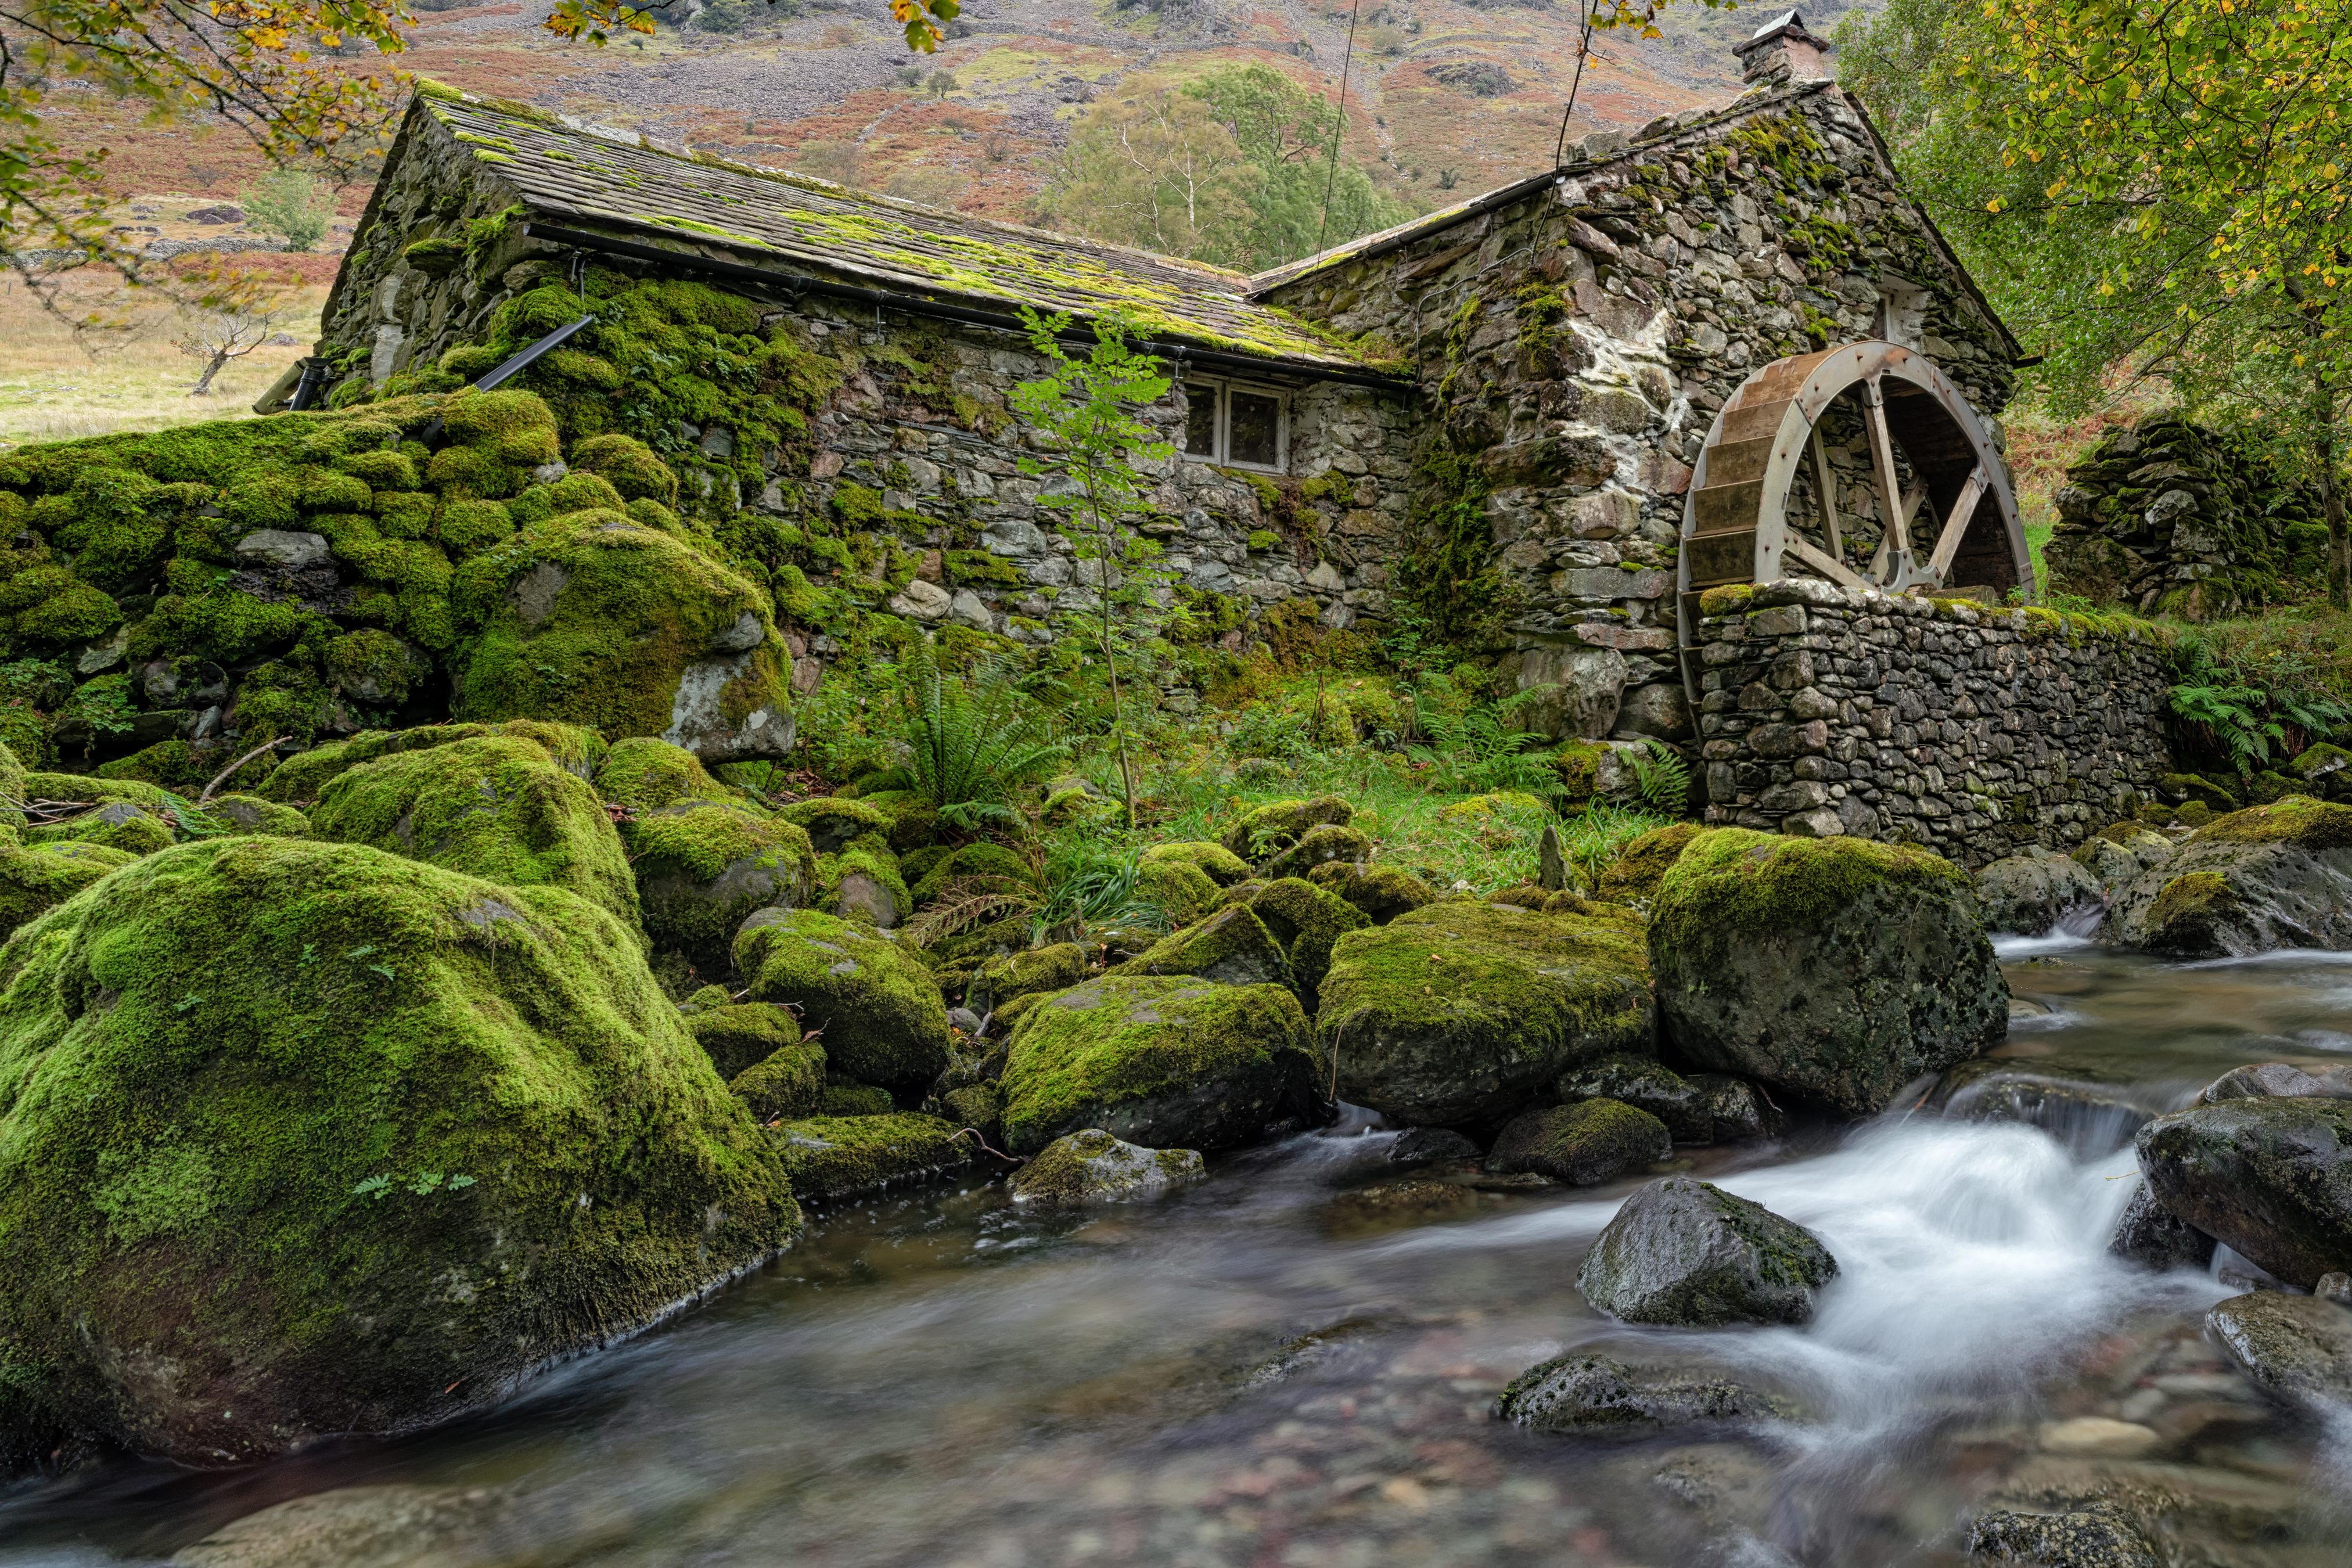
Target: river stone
[2278, 1081]
[2071, 1099]
[1837, 969]
[786, 1084]
[1166, 1062]
[2270, 1178]
[871, 1003]
[2101, 1536]
[2276, 876]
[1584, 1144]
[703, 866]
[1737, 1108]
[294, 1136]
[1645, 1085]
[1687, 1253]
[1093, 1166]
[738, 1036]
[2034, 894]
[2154, 1237]
[1430, 1146]
[1578, 1392]
[2299, 1347]
[1460, 1010]
[402, 1526]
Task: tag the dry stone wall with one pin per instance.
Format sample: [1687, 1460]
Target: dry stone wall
[1576, 343]
[1970, 730]
[2175, 518]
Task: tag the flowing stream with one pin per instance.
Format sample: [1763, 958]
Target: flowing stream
[1278, 1367]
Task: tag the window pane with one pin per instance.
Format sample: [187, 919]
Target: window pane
[1200, 420]
[1255, 419]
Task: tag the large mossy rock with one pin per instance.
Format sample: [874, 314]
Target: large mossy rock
[1007, 979]
[1381, 892]
[1164, 1062]
[1633, 877]
[1231, 947]
[2270, 1177]
[2276, 876]
[2120, 852]
[495, 807]
[1459, 1010]
[1306, 922]
[294, 1136]
[873, 1005]
[1266, 830]
[702, 865]
[1214, 861]
[2032, 894]
[1837, 969]
[304, 776]
[36, 879]
[736, 1036]
[596, 618]
[1686, 1253]
[1688, 1108]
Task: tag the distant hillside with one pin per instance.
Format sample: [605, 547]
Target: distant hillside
[1445, 99]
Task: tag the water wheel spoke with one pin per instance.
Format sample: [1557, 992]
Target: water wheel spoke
[1894, 549]
[1948, 544]
[1825, 490]
[1827, 565]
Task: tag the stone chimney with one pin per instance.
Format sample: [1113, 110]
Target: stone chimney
[1782, 51]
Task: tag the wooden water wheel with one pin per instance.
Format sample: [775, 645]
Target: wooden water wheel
[1932, 468]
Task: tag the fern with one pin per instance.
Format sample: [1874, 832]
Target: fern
[1480, 750]
[2221, 706]
[1661, 778]
[970, 746]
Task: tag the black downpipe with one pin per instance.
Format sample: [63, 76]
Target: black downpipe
[306, 390]
[801, 283]
[510, 369]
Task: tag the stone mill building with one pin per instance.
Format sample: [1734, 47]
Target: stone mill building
[1525, 416]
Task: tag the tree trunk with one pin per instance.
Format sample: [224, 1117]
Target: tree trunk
[2331, 503]
[213, 367]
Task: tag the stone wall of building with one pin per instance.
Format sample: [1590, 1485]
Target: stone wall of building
[1575, 344]
[914, 456]
[2172, 517]
[1972, 731]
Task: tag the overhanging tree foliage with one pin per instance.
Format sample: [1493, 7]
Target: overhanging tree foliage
[2147, 188]
[247, 62]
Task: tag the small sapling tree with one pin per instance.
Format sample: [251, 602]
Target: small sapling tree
[234, 311]
[1085, 411]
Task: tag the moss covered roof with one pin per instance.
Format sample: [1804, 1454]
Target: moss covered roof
[569, 174]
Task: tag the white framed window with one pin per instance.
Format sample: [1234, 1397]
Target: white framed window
[1238, 424]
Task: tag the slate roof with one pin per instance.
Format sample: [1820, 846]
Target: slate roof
[572, 173]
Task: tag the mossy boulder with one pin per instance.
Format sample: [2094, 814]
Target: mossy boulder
[1014, 975]
[1165, 1062]
[1633, 877]
[303, 777]
[845, 1097]
[36, 879]
[1584, 1144]
[1184, 892]
[870, 1001]
[1837, 969]
[2118, 853]
[786, 1085]
[1324, 844]
[1584, 1392]
[739, 1034]
[985, 865]
[1684, 1107]
[643, 774]
[594, 618]
[1232, 947]
[861, 881]
[1269, 829]
[117, 824]
[703, 866]
[251, 813]
[834, 1157]
[2275, 876]
[1092, 1167]
[1459, 1010]
[2323, 770]
[1306, 921]
[1381, 892]
[1686, 1253]
[498, 807]
[2271, 1177]
[294, 1136]
[1216, 862]
[833, 823]
[2034, 894]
